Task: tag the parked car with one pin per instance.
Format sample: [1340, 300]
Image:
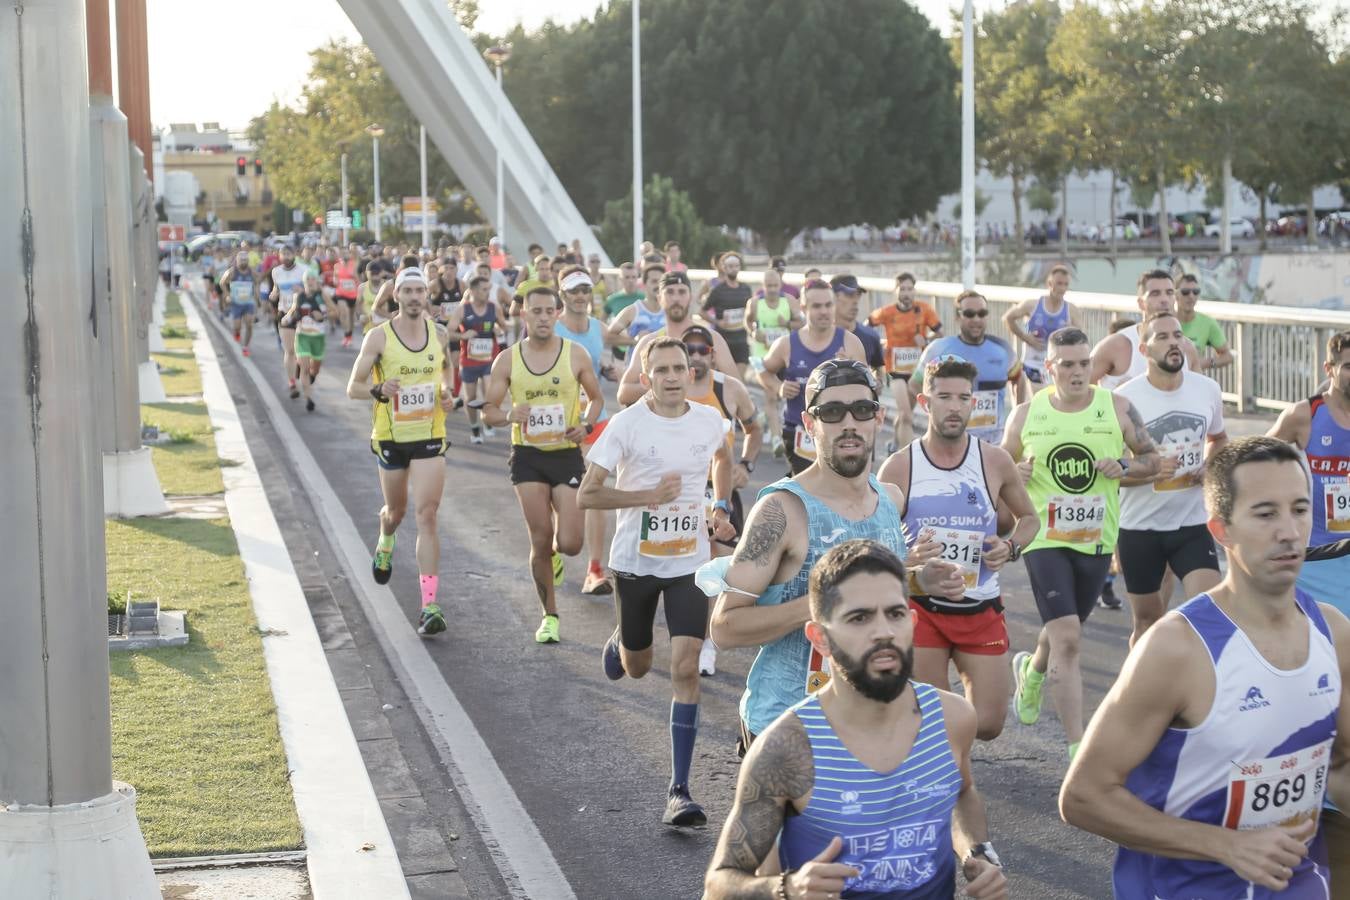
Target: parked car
[1241, 228]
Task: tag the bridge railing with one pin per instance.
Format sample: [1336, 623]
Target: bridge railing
[1278, 350]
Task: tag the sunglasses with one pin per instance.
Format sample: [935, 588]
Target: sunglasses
[699, 349]
[833, 412]
[974, 313]
[583, 289]
[1189, 292]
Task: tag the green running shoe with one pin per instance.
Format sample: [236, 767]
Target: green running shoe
[1027, 697]
[558, 570]
[432, 621]
[382, 566]
[548, 631]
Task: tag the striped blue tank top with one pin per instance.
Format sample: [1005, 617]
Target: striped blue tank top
[789, 668]
[896, 827]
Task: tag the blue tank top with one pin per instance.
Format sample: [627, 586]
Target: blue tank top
[645, 321]
[1329, 459]
[801, 362]
[1261, 756]
[789, 668]
[1043, 324]
[896, 827]
[993, 360]
[594, 342]
[956, 504]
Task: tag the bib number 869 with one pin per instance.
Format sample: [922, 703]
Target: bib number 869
[1279, 793]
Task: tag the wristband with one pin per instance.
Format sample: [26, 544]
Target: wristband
[782, 893]
[377, 391]
[1124, 465]
[749, 466]
[723, 505]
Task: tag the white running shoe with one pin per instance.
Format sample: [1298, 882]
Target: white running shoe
[488, 432]
[707, 658]
[476, 439]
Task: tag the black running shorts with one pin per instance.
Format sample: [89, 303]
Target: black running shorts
[1066, 582]
[563, 467]
[637, 596]
[1145, 554]
[394, 455]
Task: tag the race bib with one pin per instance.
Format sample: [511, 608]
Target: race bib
[963, 548]
[546, 425]
[347, 285]
[986, 410]
[1075, 519]
[1277, 790]
[480, 348]
[817, 672]
[241, 291]
[309, 326]
[733, 317]
[1190, 461]
[447, 309]
[414, 403]
[905, 359]
[671, 531]
[803, 444]
[771, 334]
[1336, 496]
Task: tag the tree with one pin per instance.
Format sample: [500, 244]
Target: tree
[667, 215]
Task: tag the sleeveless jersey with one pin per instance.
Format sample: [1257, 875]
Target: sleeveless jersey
[1078, 507]
[1042, 324]
[773, 324]
[1260, 757]
[789, 668]
[594, 342]
[801, 362]
[727, 304]
[1138, 364]
[957, 505]
[481, 349]
[716, 398]
[553, 397]
[288, 282]
[992, 358]
[896, 827]
[1329, 460]
[415, 413]
[645, 321]
[306, 305]
[345, 283]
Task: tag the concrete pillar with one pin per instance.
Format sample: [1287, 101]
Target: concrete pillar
[145, 252]
[133, 80]
[66, 830]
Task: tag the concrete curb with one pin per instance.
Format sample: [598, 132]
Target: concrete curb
[333, 793]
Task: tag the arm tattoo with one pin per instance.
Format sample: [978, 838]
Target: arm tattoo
[1143, 441]
[779, 770]
[766, 532]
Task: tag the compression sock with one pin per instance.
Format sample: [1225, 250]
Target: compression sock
[429, 585]
[386, 542]
[683, 731]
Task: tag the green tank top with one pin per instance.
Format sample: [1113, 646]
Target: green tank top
[773, 324]
[1078, 507]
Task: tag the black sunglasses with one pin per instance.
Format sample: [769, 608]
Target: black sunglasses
[698, 349]
[974, 313]
[833, 412]
[1189, 292]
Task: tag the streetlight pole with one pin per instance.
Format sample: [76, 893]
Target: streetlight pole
[426, 226]
[637, 137]
[968, 146]
[497, 55]
[344, 193]
[376, 132]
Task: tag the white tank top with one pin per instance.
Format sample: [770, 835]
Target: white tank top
[1138, 364]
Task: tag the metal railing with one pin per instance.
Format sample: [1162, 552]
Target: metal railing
[1278, 350]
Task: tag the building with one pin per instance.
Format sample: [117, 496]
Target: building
[220, 198]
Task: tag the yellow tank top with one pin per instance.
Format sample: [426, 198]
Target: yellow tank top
[554, 398]
[716, 399]
[415, 414]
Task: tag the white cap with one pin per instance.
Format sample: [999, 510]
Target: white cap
[576, 280]
[412, 274]
[495, 240]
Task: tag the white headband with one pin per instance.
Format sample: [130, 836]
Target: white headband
[576, 280]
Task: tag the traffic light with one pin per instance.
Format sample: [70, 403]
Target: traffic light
[358, 221]
[318, 220]
[240, 165]
[257, 165]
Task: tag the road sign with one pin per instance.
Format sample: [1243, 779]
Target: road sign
[358, 219]
[335, 219]
[412, 212]
[173, 234]
[297, 216]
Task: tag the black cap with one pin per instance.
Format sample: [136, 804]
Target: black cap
[700, 332]
[778, 262]
[836, 372]
[675, 278]
[847, 284]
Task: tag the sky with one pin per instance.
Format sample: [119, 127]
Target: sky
[212, 61]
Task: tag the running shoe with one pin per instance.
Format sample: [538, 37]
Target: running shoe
[382, 566]
[612, 659]
[596, 583]
[295, 392]
[475, 439]
[558, 570]
[1026, 698]
[309, 406]
[681, 811]
[707, 658]
[548, 631]
[432, 621]
[779, 451]
[489, 432]
[1108, 599]
[246, 353]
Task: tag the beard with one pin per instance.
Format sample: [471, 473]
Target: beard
[698, 369]
[884, 688]
[848, 467]
[677, 313]
[1171, 368]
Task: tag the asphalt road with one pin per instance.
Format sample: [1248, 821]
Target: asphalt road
[589, 758]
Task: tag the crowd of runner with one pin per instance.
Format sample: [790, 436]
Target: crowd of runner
[862, 578]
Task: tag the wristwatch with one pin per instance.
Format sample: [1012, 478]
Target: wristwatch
[590, 429]
[985, 851]
[723, 505]
[749, 466]
[1014, 551]
[1124, 465]
[377, 391]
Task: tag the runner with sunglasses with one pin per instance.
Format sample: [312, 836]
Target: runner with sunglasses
[1116, 358]
[796, 521]
[993, 358]
[792, 359]
[1202, 330]
[1069, 444]
[955, 486]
